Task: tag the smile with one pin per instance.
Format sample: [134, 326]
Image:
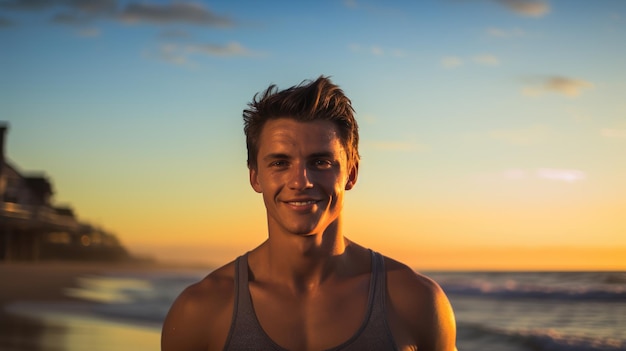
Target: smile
[301, 203]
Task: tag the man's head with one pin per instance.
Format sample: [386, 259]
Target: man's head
[309, 101]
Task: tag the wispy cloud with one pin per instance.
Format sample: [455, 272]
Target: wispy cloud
[551, 174]
[80, 12]
[451, 62]
[85, 15]
[565, 175]
[613, 133]
[531, 8]
[352, 4]
[89, 32]
[178, 12]
[230, 49]
[570, 87]
[487, 59]
[376, 50]
[92, 6]
[179, 53]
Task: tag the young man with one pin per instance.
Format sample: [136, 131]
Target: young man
[308, 287]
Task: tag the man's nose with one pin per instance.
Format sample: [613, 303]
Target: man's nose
[299, 177]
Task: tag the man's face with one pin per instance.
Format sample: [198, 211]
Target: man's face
[302, 172]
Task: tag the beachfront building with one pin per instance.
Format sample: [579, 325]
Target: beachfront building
[32, 228]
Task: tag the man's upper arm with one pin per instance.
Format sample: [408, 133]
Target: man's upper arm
[183, 326]
[423, 309]
[200, 317]
[443, 324]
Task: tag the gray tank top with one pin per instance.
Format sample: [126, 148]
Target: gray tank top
[373, 335]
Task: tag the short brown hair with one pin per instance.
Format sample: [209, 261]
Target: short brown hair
[309, 101]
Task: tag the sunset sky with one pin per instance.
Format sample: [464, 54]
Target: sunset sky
[493, 132]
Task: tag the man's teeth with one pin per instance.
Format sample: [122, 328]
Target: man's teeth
[301, 203]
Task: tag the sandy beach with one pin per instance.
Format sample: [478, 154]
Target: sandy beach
[41, 287]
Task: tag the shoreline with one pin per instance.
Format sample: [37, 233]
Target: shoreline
[47, 280]
[43, 287]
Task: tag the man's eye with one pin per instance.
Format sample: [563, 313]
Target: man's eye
[278, 164]
[323, 164]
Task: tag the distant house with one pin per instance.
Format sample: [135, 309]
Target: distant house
[31, 228]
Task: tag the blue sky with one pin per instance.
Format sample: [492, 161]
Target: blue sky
[466, 108]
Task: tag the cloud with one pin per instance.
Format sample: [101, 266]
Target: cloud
[179, 53]
[487, 60]
[612, 133]
[80, 12]
[565, 175]
[352, 4]
[89, 32]
[451, 62]
[398, 53]
[503, 33]
[230, 49]
[177, 12]
[29, 5]
[173, 54]
[531, 8]
[377, 50]
[570, 87]
[93, 7]
[524, 136]
[546, 174]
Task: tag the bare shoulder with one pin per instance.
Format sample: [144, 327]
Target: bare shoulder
[420, 307]
[199, 318]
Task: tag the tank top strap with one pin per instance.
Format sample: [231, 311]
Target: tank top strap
[378, 311]
[380, 286]
[245, 331]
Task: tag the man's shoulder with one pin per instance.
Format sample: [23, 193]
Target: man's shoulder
[403, 279]
[210, 292]
[421, 305]
[201, 315]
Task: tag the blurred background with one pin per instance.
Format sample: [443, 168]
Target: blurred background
[490, 129]
[493, 132]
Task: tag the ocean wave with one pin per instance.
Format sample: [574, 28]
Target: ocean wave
[536, 293]
[480, 337]
[526, 287]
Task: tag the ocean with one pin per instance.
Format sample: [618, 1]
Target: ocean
[500, 311]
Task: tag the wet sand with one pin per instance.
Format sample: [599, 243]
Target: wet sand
[44, 284]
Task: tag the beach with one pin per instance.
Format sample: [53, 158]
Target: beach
[42, 309]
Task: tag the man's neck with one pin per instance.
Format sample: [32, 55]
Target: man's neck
[304, 262]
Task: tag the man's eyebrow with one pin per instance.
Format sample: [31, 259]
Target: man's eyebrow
[324, 154]
[274, 156]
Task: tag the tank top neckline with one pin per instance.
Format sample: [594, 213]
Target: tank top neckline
[245, 299]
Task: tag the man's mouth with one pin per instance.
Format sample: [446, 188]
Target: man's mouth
[301, 203]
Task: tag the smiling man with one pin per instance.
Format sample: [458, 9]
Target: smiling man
[308, 287]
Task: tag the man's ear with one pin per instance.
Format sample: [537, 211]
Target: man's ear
[353, 174]
[254, 180]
